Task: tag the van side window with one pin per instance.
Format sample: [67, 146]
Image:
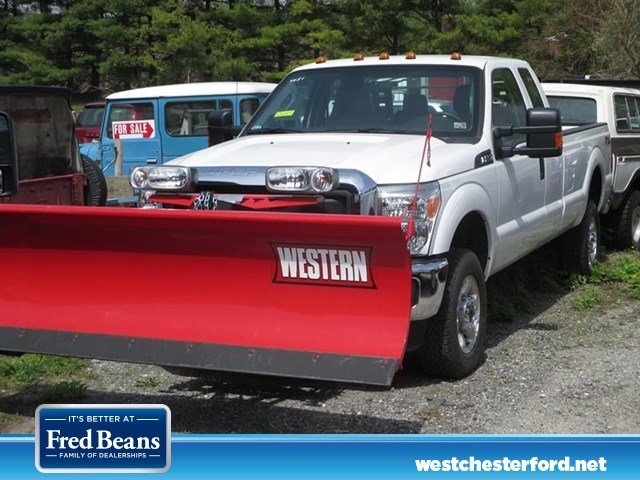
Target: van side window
[248, 106]
[532, 88]
[507, 105]
[187, 118]
[622, 113]
[123, 112]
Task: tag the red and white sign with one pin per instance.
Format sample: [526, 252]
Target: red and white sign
[323, 265]
[134, 129]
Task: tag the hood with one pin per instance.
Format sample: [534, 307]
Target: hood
[386, 158]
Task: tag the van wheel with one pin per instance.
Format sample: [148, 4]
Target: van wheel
[627, 227]
[581, 245]
[95, 192]
[454, 339]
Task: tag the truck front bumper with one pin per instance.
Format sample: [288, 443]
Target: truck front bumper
[429, 279]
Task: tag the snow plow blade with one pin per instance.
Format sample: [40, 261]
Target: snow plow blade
[300, 295]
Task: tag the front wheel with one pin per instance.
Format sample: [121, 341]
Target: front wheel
[454, 339]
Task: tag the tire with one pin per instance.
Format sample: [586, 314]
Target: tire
[581, 245]
[627, 226]
[449, 350]
[95, 192]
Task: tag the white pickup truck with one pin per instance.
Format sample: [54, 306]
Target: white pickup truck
[619, 108]
[349, 136]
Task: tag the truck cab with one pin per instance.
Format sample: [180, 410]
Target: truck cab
[154, 125]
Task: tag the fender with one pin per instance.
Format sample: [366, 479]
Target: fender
[595, 160]
[468, 198]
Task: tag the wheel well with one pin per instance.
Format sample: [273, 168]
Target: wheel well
[595, 188]
[472, 235]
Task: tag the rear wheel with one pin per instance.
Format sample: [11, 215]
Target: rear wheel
[454, 339]
[95, 192]
[627, 227]
[581, 245]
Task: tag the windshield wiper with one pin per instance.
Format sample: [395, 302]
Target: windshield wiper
[264, 131]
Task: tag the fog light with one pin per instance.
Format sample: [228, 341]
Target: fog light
[163, 178]
[302, 179]
[322, 180]
[138, 178]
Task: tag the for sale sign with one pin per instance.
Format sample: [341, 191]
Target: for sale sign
[134, 129]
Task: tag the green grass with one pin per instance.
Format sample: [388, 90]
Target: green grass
[66, 391]
[587, 297]
[20, 372]
[510, 291]
[147, 382]
[622, 268]
[49, 378]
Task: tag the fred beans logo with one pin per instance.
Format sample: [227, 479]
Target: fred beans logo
[323, 265]
[103, 438]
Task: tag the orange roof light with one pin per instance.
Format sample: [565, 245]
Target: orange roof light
[384, 56]
[456, 56]
[358, 57]
[410, 56]
[321, 59]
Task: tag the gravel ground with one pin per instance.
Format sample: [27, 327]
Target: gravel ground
[551, 370]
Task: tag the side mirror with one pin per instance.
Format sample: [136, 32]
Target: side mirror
[543, 131]
[220, 126]
[8, 157]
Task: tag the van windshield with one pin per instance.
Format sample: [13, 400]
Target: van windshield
[393, 99]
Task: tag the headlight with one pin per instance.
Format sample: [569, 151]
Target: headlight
[163, 178]
[302, 179]
[397, 201]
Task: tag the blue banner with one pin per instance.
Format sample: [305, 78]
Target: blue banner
[373, 457]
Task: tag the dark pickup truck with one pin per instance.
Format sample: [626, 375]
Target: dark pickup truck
[39, 130]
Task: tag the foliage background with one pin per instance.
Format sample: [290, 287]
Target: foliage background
[99, 46]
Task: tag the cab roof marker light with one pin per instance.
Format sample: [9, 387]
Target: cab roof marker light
[321, 59]
[411, 55]
[456, 56]
[383, 56]
[358, 57]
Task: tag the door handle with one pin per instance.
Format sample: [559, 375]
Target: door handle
[541, 168]
[151, 161]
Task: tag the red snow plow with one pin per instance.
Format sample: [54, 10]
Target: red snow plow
[291, 294]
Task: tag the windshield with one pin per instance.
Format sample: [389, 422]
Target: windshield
[394, 99]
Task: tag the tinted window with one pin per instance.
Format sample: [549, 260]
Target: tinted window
[187, 118]
[91, 117]
[507, 105]
[575, 111]
[375, 99]
[622, 114]
[248, 107]
[124, 112]
[532, 88]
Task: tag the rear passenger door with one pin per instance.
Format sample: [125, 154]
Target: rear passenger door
[184, 123]
[521, 209]
[137, 149]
